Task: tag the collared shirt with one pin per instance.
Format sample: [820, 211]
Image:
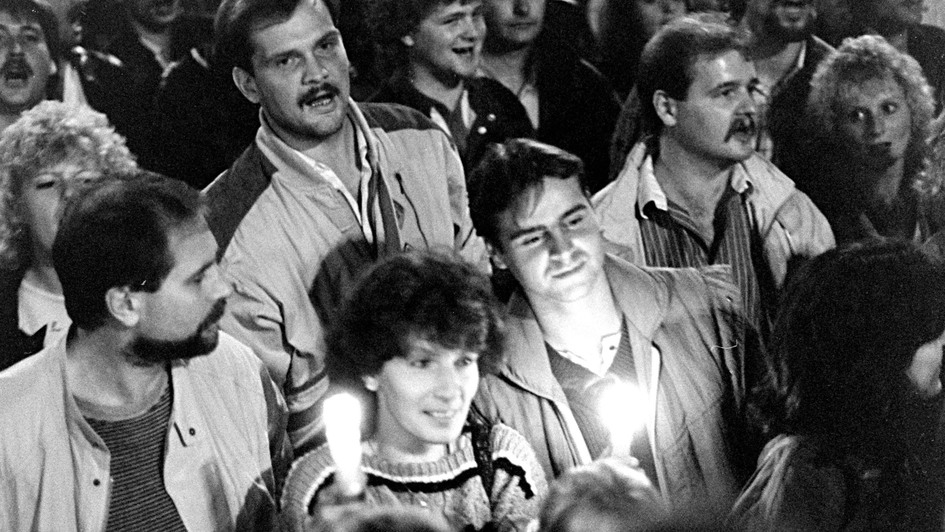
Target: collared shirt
[672, 239]
[365, 208]
[607, 350]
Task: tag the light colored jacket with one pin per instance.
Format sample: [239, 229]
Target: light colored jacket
[293, 248]
[226, 413]
[786, 220]
[688, 348]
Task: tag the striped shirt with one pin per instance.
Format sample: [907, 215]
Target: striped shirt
[672, 239]
[139, 500]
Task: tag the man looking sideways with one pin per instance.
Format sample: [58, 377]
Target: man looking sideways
[327, 188]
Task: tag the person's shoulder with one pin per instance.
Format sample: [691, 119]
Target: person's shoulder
[392, 117]
[231, 360]
[233, 193]
[510, 450]
[26, 387]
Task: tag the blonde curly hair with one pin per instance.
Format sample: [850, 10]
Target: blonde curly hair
[871, 57]
[44, 136]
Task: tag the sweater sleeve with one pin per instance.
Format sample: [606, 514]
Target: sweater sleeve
[519, 485]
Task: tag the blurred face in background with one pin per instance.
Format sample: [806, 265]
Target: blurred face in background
[26, 63]
[874, 122]
[43, 197]
[654, 14]
[447, 44]
[786, 20]
[154, 15]
[513, 24]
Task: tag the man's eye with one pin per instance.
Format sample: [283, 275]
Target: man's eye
[421, 363]
[44, 184]
[890, 107]
[286, 61]
[467, 361]
[575, 221]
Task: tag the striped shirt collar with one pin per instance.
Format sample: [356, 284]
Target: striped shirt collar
[649, 190]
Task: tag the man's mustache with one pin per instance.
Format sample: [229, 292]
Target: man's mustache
[325, 89]
[742, 124]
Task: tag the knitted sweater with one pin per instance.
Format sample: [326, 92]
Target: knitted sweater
[450, 485]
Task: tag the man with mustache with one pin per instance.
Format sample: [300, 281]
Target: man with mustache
[327, 188]
[28, 47]
[145, 416]
[694, 192]
[785, 54]
[583, 319]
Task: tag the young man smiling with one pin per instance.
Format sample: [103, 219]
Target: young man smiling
[694, 192]
[583, 319]
[327, 188]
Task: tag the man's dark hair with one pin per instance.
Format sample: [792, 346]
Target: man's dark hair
[115, 234]
[41, 13]
[668, 59]
[506, 172]
[414, 296]
[237, 20]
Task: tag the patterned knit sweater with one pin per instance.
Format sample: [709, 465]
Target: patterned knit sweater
[451, 485]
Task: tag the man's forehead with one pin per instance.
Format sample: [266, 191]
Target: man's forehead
[273, 34]
[720, 66]
[551, 196]
[16, 18]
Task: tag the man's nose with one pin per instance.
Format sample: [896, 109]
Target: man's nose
[315, 70]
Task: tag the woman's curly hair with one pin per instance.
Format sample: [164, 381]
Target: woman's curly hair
[44, 136]
[870, 57]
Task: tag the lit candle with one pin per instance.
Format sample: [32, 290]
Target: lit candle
[343, 431]
[622, 412]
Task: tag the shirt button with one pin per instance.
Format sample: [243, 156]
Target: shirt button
[96, 482]
[193, 431]
[490, 117]
[481, 130]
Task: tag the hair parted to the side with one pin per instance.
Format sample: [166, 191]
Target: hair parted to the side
[509, 170]
[850, 324]
[668, 59]
[866, 58]
[46, 135]
[414, 296]
[237, 20]
[116, 234]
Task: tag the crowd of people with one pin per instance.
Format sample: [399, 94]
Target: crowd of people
[579, 265]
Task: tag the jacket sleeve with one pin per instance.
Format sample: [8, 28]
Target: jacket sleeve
[804, 233]
[467, 243]
[257, 317]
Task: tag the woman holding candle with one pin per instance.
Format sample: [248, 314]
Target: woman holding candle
[856, 399]
[412, 339]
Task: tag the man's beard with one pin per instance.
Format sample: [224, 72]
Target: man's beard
[149, 351]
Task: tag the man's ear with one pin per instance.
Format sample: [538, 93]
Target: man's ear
[124, 305]
[246, 83]
[665, 106]
[495, 255]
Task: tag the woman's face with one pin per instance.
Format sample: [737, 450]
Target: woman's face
[654, 14]
[44, 196]
[875, 122]
[447, 44]
[925, 370]
[422, 400]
